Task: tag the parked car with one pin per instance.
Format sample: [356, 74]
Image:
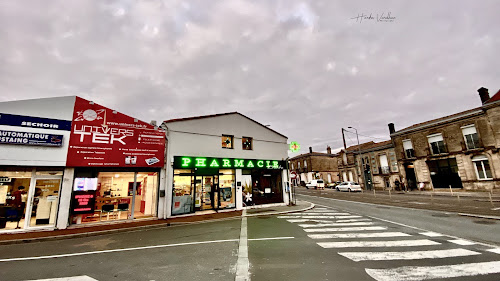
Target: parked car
[349, 186]
[316, 184]
[333, 184]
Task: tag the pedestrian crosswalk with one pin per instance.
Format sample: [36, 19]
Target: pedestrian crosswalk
[367, 241]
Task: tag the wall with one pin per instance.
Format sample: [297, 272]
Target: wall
[28, 155]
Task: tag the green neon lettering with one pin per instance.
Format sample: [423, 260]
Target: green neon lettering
[260, 163]
[200, 162]
[185, 162]
[214, 164]
[268, 164]
[238, 163]
[226, 163]
[250, 164]
[275, 164]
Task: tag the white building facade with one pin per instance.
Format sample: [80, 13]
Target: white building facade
[223, 162]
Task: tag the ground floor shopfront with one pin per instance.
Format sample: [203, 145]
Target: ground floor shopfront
[55, 197]
[204, 183]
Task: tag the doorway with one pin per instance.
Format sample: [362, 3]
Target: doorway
[411, 179]
[206, 190]
[444, 173]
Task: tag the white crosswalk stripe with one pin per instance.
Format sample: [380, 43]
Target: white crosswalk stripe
[336, 229]
[360, 228]
[335, 224]
[407, 255]
[358, 235]
[413, 273]
[398, 243]
[318, 217]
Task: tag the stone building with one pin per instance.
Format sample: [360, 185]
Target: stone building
[378, 165]
[315, 165]
[457, 151]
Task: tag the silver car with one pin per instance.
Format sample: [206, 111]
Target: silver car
[349, 186]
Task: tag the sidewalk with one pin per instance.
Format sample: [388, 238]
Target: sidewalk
[73, 232]
[445, 192]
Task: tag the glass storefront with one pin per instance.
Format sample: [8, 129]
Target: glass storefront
[198, 190]
[265, 186]
[29, 197]
[108, 196]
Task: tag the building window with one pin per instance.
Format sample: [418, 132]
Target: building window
[246, 143]
[298, 165]
[482, 166]
[408, 147]
[305, 164]
[384, 164]
[227, 141]
[436, 143]
[292, 166]
[471, 137]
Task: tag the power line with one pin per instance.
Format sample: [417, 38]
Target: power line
[364, 135]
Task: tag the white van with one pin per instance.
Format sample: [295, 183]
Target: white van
[316, 184]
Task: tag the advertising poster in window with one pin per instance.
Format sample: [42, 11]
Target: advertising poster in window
[101, 137]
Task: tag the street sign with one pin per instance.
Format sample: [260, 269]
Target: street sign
[293, 175]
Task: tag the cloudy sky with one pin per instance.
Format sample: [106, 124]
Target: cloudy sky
[307, 68]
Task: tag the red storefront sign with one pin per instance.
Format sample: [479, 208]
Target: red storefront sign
[101, 137]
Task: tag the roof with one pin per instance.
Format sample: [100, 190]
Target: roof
[452, 117]
[494, 98]
[217, 115]
[313, 154]
[368, 145]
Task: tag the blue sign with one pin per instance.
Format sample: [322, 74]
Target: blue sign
[30, 138]
[34, 122]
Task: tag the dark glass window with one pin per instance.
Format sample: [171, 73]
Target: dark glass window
[472, 141]
[247, 143]
[227, 141]
[438, 147]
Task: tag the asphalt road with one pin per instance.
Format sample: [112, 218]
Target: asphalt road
[337, 240]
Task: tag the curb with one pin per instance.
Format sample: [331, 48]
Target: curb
[479, 216]
[134, 228]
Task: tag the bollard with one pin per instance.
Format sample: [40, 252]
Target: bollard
[432, 197]
[491, 200]
[451, 191]
[374, 193]
[458, 197]
[390, 197]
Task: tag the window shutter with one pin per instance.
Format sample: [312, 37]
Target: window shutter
[469, 130]
[407, 144]
[435, 138]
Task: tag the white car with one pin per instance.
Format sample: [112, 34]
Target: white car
[316, 184]
[349, 186]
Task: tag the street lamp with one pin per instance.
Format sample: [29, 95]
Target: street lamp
[359, 154]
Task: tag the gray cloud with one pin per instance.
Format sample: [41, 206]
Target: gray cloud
[304, 67]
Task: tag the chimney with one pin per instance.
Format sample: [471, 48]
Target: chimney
[310, 149]
[328, 149]
[483, 94]
[391, 128]
[153, 122]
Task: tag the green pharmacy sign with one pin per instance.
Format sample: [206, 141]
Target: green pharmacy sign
[294, 146]
[190, 162]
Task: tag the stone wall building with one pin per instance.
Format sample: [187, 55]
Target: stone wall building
[315, 165]
[378, 165]
[457, 151]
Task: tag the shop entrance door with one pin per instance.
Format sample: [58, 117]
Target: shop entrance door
[207, 193]
[43, 201]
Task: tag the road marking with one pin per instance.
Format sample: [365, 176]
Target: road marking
[306, 220]
[318, 217]
[73, 278]
[325, 214]
[353, 220]
[243, 264]
[358, 235]
[496, 251]
[320, 211]
[137, 248]
[413, 273]
[462, 242]
[431, 234]
[361, 228]
[402, 224]
[335, 224]
[409, 255]
[401, 243]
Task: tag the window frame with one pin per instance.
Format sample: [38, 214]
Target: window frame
[475, 143]
[481, 159]
[438, 146]
[409, 152]
[232, 141]
[243, 143]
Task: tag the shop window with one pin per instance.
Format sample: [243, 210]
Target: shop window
[13, 198]
[114, 196]
[247, 143]
[183, 190]
[470, 136]
[408, 147]
[482, 165]
[227, 189]
[227, 141]
[437, 144]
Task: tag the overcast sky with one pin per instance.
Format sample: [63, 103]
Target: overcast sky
[307, 68]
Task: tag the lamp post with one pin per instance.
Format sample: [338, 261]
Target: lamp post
[359, 154]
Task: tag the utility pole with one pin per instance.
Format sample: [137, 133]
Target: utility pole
[361, 170]
[343, 138]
